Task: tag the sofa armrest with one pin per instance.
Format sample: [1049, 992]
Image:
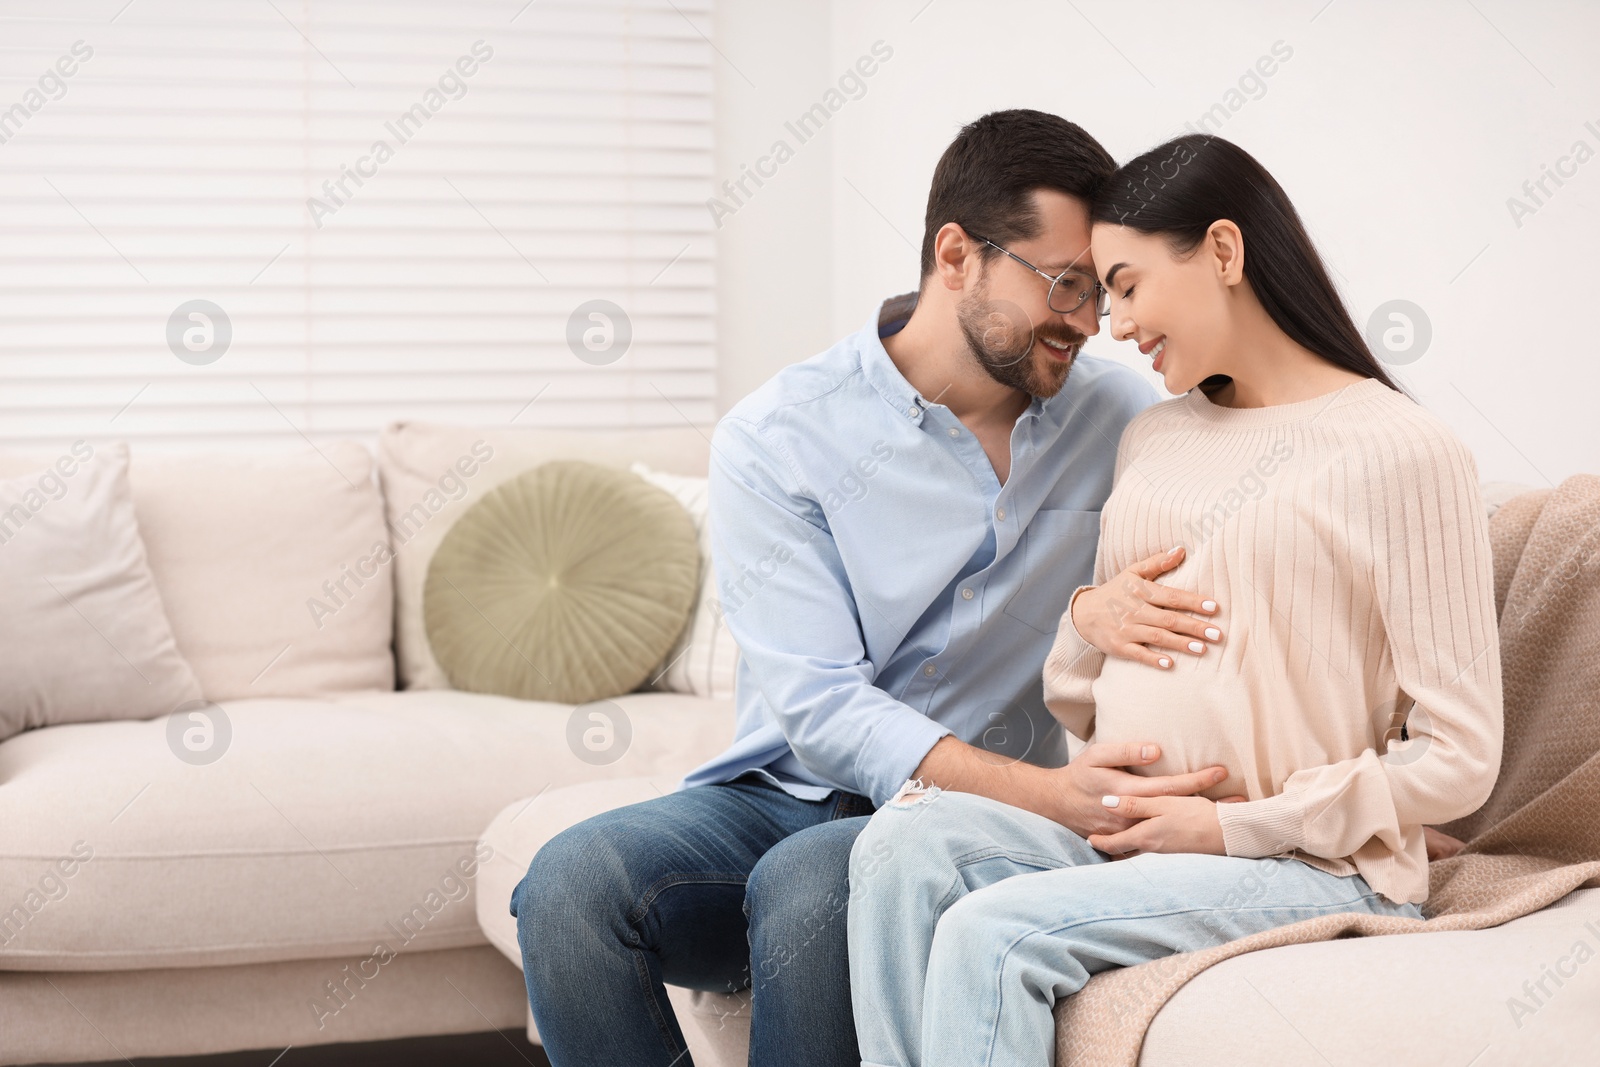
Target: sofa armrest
[716, 1025]
[521, 830]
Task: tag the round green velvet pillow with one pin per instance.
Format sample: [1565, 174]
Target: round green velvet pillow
[569, 582]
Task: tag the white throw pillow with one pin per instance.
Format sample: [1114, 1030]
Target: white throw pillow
[275, 567]
[705, 657]
[84, 631]
[272, 565]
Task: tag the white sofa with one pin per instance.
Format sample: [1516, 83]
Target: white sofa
[219, 900]
[238, 903]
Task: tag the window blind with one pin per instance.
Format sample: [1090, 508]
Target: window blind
[248, 222]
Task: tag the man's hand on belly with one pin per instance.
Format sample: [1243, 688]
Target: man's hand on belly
[1101, 770]
[1134, 617]
[1069, 795]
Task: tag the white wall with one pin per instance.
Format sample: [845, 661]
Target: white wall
[775, 251]
[1400, 130]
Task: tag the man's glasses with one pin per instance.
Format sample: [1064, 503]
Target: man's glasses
[1068, 290]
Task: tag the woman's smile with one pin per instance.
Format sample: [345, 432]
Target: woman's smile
[1154, 351]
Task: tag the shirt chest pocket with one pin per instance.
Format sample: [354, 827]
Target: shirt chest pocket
[1056, 556]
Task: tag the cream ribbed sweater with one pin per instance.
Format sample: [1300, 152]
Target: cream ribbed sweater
[1345, 541]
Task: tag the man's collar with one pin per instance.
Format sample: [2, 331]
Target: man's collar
[886, 378]
[879, 369]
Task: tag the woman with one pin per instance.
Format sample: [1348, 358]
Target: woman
[1356, 696]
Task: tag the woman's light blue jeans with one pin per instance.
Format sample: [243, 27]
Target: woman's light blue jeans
[969, 919]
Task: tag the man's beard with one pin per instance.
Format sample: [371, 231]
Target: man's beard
[1001, 339]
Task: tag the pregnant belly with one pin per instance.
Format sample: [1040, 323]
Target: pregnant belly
[1198, 717]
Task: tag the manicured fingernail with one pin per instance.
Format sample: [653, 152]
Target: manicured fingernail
[1196, 646]
[1164, 661]
[1175, 551]
[1213, 633]
[1147, 752]
[1209, 605]
[1109, 802]
[1219, 776]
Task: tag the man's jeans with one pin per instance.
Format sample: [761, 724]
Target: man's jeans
[716, 887]
[970, 919]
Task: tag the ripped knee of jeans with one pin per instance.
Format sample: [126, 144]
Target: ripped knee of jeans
[914, 792]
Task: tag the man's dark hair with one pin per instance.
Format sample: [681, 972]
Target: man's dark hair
[985, 180]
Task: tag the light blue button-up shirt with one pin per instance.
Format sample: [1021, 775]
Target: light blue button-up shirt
[884, 588]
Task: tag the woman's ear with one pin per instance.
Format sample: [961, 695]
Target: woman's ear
[1226, 245]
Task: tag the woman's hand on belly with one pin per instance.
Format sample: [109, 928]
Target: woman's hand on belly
[1134, 617]
[1166, 824]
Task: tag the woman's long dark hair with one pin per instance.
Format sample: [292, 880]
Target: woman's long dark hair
[1178, 189]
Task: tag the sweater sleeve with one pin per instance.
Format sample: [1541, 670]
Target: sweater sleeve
[1071, 668]
[1433, 583]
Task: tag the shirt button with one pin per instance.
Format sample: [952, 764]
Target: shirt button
[911, 411]
[928, 670]
[1000, 513]
[953, 432]
[966, 594]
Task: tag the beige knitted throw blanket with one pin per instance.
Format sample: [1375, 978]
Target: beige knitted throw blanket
[1537, 837]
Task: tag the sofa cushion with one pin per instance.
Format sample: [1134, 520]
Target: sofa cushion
[1458, 997]
[84, 632]
[432, 473]
[705, 658]
[568, 582]
[270, 566]
[320, 832]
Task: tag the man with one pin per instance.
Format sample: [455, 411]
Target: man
[898, 525]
